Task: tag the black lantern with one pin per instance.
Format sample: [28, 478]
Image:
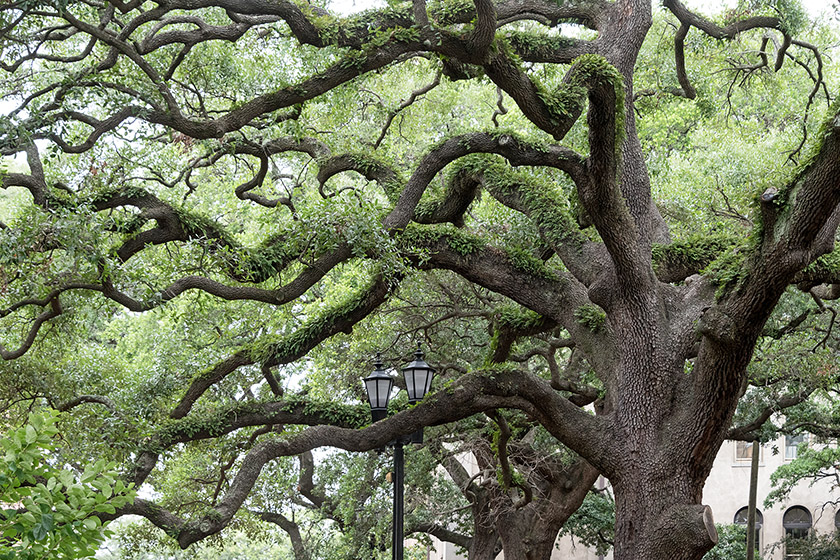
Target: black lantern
[378, 386]
[418, 377]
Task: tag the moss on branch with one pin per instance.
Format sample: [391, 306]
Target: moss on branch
[447, 12]
[419, 238]
[533, 45]
[224, 419]
[199, 426]
[683, 258]
[729, 271]
[591, 316]
[550, 211]
[519, 318]
[526, 261]
[827, 266]
[338, 317]
[241, 263]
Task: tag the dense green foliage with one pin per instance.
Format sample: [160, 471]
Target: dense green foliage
[50, 512]
[593, 524]
[822, 547]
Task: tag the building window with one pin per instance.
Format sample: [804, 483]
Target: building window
[741, 519]
[792, 445]
[797, 524]
[744, 450]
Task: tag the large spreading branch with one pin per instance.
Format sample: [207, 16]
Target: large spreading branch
[727, 32]
[689, 20]
[291, 528]
[341, 318]
[517, 152]
[160, 31]
[53, 311]
[469, 395]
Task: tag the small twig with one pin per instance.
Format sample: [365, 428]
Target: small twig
[823, 307]
[730, 211]
[819, 82]
[411, 99]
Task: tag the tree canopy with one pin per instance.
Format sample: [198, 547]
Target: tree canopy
[218, 210]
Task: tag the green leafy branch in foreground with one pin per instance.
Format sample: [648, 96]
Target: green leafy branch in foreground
[49, 511]
[810, 464]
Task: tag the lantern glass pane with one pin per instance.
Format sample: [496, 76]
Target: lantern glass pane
[428, 386]
[411, 383]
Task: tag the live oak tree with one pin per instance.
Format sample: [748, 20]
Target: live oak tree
[255, 177]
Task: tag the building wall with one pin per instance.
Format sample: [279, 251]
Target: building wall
[443, 551]
[727, 490]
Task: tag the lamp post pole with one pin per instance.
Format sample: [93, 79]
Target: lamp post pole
[751, 544]
[418, 380]
[399, 495]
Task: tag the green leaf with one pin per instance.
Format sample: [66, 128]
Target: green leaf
[66, 478]
[31, 434]
[105, 508]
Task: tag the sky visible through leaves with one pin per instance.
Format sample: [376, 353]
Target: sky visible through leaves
[814, 7]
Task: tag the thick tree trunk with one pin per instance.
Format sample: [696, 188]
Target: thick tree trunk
[667, 438]
[661, 521]
[485, 541]
[484, 544]
[522, 542]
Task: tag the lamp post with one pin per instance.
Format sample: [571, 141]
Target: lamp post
[418, 380]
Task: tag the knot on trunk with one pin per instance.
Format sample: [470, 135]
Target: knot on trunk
[688, 528]
[717, 325]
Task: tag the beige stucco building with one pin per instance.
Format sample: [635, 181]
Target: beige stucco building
[807, 508]
[727, 490]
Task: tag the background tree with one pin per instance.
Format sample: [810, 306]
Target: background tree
[243, 217]
[731, 544]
